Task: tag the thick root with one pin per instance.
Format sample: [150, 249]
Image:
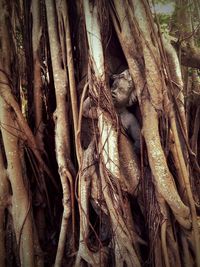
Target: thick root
[122, 234]
[163, 179]
[129, 164]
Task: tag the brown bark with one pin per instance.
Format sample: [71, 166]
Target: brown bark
[21, 211]
[4, 203]
[163, 178]
[36, 37]
[66, 46]
[61, 128]
[190, 56]
[122, 197]
[38, 105]
[151, 100]
[20, 201]
[111, 178]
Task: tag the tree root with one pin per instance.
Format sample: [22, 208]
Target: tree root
[129, 165]
[123, 240]
[92, 258]
[85, 177]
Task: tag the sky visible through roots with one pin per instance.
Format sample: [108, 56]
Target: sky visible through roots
[167, 8]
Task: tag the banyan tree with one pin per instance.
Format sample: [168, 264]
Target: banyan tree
[99, 133]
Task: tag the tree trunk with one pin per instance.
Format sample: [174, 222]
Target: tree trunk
[107, 203]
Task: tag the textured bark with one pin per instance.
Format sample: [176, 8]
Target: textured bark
[4, 203]
[20, 201]
[36, 38]
[190, 56]
[111, 176]
[150, 91]
[67, 54]
[163, 179]
[21, 211]
[38, 105]
[61, 128]
[131, 209]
